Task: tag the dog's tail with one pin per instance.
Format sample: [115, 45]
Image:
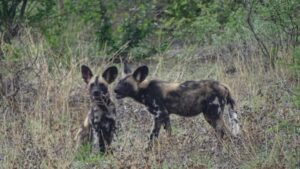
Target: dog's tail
[233, 118]
[230, 100]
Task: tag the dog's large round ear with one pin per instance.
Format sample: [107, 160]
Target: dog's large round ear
[141, 73]
[86, 73]
[110, 74]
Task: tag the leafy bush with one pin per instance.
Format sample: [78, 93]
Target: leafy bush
[118, 27]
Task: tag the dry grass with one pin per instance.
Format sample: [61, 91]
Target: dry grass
[38, 124]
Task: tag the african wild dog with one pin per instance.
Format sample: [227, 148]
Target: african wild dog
[99, 125]
[187, 99]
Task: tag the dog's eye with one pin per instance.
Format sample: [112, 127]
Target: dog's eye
[92, 85]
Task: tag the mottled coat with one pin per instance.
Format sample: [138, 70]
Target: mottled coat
[99, 125]
[186, 99]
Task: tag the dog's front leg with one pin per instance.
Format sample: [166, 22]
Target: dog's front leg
[159, 119]
[167, 125]
[156, 127]
[155, 131]
[95, 141]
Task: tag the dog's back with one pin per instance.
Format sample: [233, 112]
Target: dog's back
[192, 97]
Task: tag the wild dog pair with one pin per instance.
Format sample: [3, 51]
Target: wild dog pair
[187, 99]
[162, 98]
[99, 125]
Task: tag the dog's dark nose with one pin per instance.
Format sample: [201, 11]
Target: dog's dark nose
[96, 93]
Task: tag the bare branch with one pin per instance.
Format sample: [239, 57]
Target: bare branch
[23, 8]
[262, 45]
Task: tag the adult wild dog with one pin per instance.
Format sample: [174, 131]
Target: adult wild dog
[187, 99]
[99, 125]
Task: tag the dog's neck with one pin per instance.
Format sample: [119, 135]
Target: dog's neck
[145, 97]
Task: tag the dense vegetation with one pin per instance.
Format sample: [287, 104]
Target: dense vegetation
[144, 28]
[253, 45]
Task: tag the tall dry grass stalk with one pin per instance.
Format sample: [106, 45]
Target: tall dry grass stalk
[37, 127]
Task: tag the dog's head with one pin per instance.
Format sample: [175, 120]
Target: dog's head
[98, 86]
[128, 86]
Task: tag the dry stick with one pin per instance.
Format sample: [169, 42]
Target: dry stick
[260, 42]
[23, 8]
[122, 48]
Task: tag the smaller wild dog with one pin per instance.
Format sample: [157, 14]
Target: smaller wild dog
[187, 99]
[99, 125]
